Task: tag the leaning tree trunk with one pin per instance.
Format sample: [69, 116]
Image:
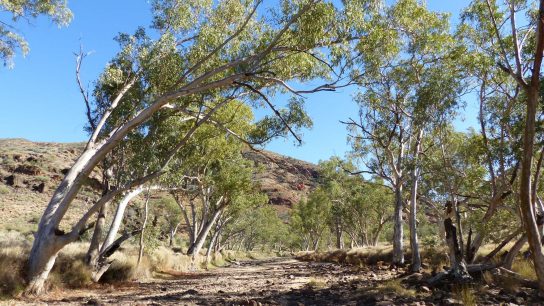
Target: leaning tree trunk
[398, 231]
[173, 231]
[94, 248]
[211, 247]
[195, 248]
[118, 217]
[514, 251]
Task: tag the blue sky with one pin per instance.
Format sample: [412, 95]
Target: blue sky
[40, 101]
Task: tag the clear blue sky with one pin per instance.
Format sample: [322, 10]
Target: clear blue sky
[40, 101]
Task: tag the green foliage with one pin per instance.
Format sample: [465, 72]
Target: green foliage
[309, 218]
[12, 41]
[259, 227]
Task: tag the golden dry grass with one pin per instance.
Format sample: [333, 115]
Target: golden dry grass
[465, 294]
[394, 286]
[524, 268]
[381, 254]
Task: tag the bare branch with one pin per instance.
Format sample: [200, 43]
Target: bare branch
[79, 59]
[253, 89]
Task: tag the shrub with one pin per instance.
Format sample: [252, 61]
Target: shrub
[316, 284]
[524, 268]
[119, 271]
[394, 286]
[465, 294]
[11, 272]
[71, 273]
[4, 189]
[164, 259]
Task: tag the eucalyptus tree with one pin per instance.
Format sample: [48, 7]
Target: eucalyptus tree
[516, 47]
[310, 218]
[10, 38]
[409, 82]
[368, 211]
[246, 202]
[208, 54]
[453, 177]
[257, 227]
[335, 180]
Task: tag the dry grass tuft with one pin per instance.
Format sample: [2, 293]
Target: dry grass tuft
[465, 294]
[488, 277]
[372, 256]
[12, 262]
[14, 248]
[71, 273]
[316, 284]
[524, 268]
[70, 270]
[395, 287]
[164, 259]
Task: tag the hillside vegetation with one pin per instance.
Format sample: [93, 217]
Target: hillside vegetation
[30, 171]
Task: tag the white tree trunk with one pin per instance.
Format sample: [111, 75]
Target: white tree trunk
[194, 250]
[141, 251]
[414, 243]
[118, 217]
[398, 231]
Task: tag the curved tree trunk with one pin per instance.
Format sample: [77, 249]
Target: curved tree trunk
[525, 192]
[118, 217]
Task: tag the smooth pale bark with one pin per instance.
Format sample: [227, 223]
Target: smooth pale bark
[119, 215]
[142, 232]
[525, 192]
[339, 236]
[194, 250]
[398, 231]
[412, 220]
[213, 242]
[173, 231]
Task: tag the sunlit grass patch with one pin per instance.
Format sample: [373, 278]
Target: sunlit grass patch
[465, 294]
[394, 286]
[524, 268]
[316, 283]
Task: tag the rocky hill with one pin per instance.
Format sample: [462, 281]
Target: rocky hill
[29, 172]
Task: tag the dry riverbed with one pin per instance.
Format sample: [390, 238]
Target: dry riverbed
[278, 281]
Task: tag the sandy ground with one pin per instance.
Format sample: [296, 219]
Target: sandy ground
[278, 281]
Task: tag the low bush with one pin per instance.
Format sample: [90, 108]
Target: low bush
[465, 294]
[12, 262]
[524, 268]
[4, 189]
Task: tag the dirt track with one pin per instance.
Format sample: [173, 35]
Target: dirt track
[277, 281]
[273, 281]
